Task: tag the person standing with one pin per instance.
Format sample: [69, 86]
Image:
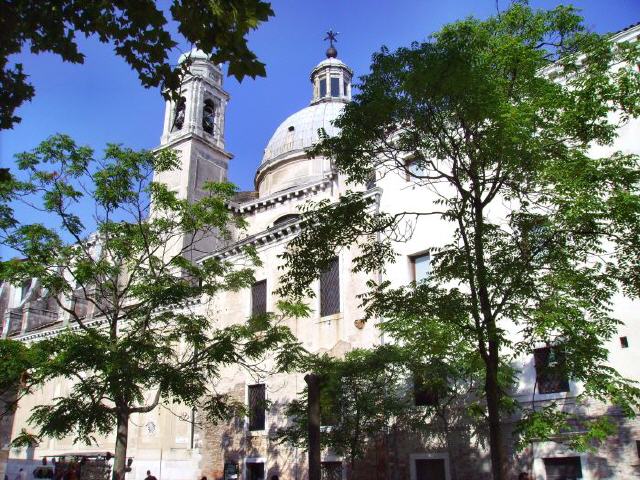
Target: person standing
[22, 475]
[149, 476]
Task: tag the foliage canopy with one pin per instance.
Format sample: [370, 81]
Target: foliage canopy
[506, 127]
[142, 331]
[139, 31]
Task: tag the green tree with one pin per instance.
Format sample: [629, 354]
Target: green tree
[499, 117]
[354, 418]
[427, 383]
[139, 32]
[128, 288]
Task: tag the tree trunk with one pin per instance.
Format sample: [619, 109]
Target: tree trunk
[122, 434]
[313, 412]
[492, 390]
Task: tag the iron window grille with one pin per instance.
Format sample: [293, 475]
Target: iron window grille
[259, 298]
[257, 404]
[330, 289]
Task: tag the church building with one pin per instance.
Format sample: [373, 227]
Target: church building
[174, 447]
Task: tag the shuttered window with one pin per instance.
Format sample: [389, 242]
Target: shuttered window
[257, 404]
[259, 298]
[330, 289]
[551, 375]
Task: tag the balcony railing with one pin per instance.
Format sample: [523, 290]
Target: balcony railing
[14, 319]
[38, 318]
[80, 304]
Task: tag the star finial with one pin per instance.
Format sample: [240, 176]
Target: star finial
[331, 36]
[331, 51]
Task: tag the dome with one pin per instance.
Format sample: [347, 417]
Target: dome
[194, 54]
[300, 131]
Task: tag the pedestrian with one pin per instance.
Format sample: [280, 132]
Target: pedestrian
[203, 477]
[149, 476]
[22, 475]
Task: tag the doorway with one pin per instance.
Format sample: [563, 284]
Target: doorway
[255, 471]
[430, 469]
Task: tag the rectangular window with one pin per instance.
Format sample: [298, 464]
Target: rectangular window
[420, 266]
[257, 404]
[335, 87]
[624, 342]
[423, 395]
[551, 375]
[323, 87]
[330, 289]
[259, 298]
[345, 84]
[331, 471]
[567, 468]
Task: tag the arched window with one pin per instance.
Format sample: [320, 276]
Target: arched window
[208, 116]
[290, 217]
[178, 114]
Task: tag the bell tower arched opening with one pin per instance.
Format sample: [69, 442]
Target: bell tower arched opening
[208, 116]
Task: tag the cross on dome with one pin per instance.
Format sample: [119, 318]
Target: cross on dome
[331, 36]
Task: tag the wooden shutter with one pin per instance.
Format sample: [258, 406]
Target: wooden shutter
[259, 298]
[257, 403]
[330, 289]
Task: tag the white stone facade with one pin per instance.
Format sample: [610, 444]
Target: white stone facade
[164, 441]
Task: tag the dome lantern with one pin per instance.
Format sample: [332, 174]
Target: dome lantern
[331, 78]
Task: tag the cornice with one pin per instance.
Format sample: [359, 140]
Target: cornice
[282, 197]
[96, 322]
[179, 140]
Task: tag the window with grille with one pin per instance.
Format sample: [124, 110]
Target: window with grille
[567, 468]
[330, 289]
[257, 404]
[331, 471]
[259, 298]
[551, 375]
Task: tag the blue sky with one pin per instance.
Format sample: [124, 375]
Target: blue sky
[102, 100]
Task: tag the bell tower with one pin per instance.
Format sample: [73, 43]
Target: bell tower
[194, 128]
